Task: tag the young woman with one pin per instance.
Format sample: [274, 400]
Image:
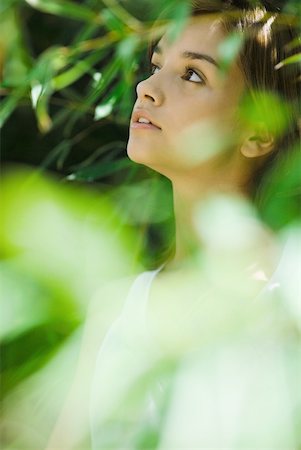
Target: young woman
[189, 124]
[191, 106]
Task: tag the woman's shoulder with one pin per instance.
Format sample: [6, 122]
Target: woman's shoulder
[139, 289]
[123, 300]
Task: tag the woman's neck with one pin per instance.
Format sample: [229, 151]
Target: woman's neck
[188, 202]
[190, 212]
[191, 191]
[188, 241]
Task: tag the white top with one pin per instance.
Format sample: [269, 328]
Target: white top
[127, 353]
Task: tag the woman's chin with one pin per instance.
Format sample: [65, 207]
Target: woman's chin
[132, 153]
[138, 153]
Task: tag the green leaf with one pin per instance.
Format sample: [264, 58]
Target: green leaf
[40, 96]
[229, 49]
[108, 75]
[48, 64]
[126, 52]
[64, 8]
[282, 192]
[290, 60]
[15, 54]
[112, 22]
[58, 153]
[30, 351]
[129, 200]
[122, 14]
[123, 95]
[100, 170]
[5, 4]
[40, 78]
[43, 118]
[120, 98]
[77, 71]
[104, 109]
[9, 104]
[88, 30]
[179, 19]
[127, 48]
[266, 110]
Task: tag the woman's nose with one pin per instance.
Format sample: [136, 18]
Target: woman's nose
[147, 91]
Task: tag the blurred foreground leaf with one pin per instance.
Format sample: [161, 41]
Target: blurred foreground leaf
[61, 235]
[64, 8]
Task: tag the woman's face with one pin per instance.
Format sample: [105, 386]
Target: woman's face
[187, 99]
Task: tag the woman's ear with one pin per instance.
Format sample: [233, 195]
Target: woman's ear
[257, 145]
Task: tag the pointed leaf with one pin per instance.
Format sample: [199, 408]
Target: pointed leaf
[64, 8]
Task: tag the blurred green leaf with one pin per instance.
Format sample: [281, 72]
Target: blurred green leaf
[58, 153]
[8, 105]
[51, 61]
[127, 48]
[48, 63]
[179, 16]
[41, 110]
[108, 75]
[21, 309]
[64, 8]
[265, 111]
[281, 192]
[290, 60]
[127, 53]
[112, 22]
[6, 4]
[131, 205]
[52, 222]
[78, 70]
[86, 32]
[29, 351]
[122, 14]
[229, 49]
[124, 98]
[13, 50]
[99, 170]
[104, 109]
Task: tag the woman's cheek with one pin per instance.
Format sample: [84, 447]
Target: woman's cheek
[199, 142]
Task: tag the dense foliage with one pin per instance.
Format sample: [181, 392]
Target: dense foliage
[78, 214]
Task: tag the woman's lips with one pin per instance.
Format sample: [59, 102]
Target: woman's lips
[142, 119]
[144, 126]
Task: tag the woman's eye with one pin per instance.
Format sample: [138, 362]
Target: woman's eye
[191, 75]
[154, 69]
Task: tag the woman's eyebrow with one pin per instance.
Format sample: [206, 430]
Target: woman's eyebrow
[201, 56]
[191, 55]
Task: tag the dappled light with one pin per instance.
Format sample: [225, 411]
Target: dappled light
[152, 305]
